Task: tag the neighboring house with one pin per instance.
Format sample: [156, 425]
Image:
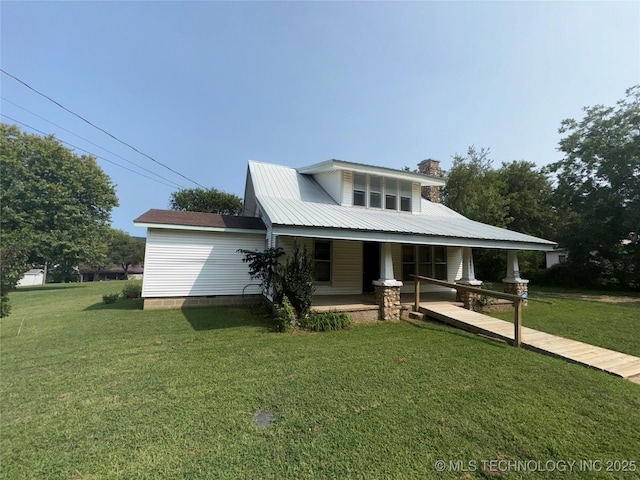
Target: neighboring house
[556, 256]
[368, 228]
[35, 276]
[94, 274]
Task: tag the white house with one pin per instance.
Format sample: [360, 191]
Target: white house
[556, 256]
[368, 228]
[35, 276]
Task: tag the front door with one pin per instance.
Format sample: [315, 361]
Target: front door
[370, 265]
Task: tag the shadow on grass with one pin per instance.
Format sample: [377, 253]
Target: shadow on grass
[120, 304]
[213, 318]
[458, 332]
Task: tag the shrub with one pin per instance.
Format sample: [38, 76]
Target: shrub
[5, 305]
[297, 280]
[325, 321]
[131, 290]
[285, 318]
[110, 297]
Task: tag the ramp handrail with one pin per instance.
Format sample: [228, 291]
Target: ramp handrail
[517, 301]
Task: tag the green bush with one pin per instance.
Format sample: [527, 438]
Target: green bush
[296, 280]
[110, 297]
[132, 290]
[285, 318]
[325, 321]
[5, 305]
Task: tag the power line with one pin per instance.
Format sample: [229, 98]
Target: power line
[86, 151]
[98, 128]
[92, 143]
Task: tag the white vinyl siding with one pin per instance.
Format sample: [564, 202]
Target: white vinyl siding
[346, 265]
[183, 263]
[416, 197]
[347, 189]
[331, 182]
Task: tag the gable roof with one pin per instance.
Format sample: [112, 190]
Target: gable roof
[181, 220]
[298, 205]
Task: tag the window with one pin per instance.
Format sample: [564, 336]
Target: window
[405, 196]
[359, 189]
[408, 262]
[562, 258]
[428, 261]
[322, 260]
[375, 192]
[391, 194]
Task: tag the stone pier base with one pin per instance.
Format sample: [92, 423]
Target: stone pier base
[520, 288]
[388, 299]
[469, 299]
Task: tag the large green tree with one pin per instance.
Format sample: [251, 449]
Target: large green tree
[517, 196]
[125, 250]
[210, 201]
[56, 203]
[598, 191]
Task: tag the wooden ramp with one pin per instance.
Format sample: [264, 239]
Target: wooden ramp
[615, 363]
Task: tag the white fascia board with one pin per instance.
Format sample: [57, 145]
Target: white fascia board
[166, 226]
[364, 236]
[330, 165]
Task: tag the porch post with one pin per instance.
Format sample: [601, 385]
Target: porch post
[387, 288]
[512, 283]
[468, 278]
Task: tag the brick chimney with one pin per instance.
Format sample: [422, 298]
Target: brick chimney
[431, 168]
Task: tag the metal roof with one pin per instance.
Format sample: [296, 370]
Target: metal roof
[293, 199]
[176, 219]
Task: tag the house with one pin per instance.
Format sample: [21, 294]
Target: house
[556, 256]
[114, 272]
[368, 229]
[35, 276]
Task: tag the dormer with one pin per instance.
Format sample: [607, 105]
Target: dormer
[368, 186]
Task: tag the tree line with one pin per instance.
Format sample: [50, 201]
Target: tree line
[56, 205]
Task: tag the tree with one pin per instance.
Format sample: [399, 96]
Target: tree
[210, 201]
[13, 264]
[56, 203]
[516, 196]
[598, 191]
[125, 250]
[474, 189]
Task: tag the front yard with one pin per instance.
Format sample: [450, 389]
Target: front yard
[110, 391]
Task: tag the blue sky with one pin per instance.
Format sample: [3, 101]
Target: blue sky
[205, 86]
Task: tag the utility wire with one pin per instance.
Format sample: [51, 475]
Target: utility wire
[92, 143]
[86, 151]
[98, 128]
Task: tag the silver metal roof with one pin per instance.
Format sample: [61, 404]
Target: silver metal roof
[293, 199]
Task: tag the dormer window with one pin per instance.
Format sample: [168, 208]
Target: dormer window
[391, 194]
[375, 191]
[360, 189]
[405, 196]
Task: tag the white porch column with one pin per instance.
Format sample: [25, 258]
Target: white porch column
[512, 283]
[387, 287]
[468, 278]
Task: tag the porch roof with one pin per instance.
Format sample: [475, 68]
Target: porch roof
[297, 205]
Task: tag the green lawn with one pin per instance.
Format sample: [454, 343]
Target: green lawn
[609, 325]
[93, 391]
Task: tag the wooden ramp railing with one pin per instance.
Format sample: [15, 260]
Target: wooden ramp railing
[517, 301]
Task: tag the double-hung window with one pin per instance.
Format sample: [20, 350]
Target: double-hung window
[322, 260]
[360, 189]
[391, 194]
[424, 260]
[405, 196]
[375, 191]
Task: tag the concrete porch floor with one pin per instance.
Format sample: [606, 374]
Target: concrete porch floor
[366, 301]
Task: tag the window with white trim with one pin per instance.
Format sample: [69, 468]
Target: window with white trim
[405, 196]
[391, 194]
[360, 189]
[375, 191]
[424, 260]
[322, 260]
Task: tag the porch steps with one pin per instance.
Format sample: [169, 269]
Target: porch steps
[609, 361]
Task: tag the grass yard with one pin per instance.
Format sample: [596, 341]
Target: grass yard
[610, 324]
[93, 391]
